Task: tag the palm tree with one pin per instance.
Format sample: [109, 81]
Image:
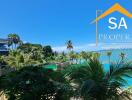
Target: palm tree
[72, 56]
[86, 55]
[69, 45]
[76, 56]
[10, 40]
[16, 39]
[13, 39]
[109, 55]
[122, 55]
[15, 59]
[96, 55]
[92, 82]
[64, 57]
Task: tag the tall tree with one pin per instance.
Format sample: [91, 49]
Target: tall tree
[16, 39]
[48, 52]
[13, 39]
[122, 55]
[69, 45]
[72, 56]
[109, 55]
[10, 40]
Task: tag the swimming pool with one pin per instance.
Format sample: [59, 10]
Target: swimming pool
[51, 66]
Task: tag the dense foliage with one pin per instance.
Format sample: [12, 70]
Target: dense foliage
[35, 83]
[92, 82]
[79, 75]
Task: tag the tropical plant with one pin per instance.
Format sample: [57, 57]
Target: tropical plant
[15, 59]
[48, 52]
[92, 82]
[69, 45]
[122, 55]
[56, 53]
[109, 55]
[10, 40]
[86, 55]
[96, 55]
[73, 56]
[13, 39]
[3, 63]
[16, 39]
[35, 83]
[33, 53]
[77, 57]
[60, 57]
[27, 47]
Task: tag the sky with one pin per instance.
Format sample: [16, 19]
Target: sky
[53, 22]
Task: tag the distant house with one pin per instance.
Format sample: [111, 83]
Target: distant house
[4, 47]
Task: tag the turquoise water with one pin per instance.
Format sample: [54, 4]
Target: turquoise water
[115, 57]
[52, 66]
